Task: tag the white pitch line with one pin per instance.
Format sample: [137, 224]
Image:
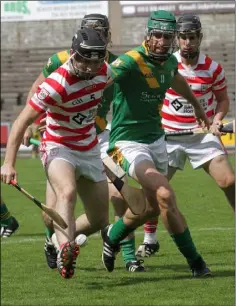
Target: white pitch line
[15, 240]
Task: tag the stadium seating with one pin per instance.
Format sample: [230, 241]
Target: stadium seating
[20, 68]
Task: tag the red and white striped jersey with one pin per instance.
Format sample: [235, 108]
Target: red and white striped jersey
[71, 106]
[205, 78]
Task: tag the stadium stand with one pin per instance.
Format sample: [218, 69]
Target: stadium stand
[19, 69]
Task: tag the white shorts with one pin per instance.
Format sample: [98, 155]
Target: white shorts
[86, 163]
[103, 139]
[199, 149]
[130, 153]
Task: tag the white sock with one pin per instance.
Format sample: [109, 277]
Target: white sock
[150, 238]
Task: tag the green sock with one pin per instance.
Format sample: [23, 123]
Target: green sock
[119, 231]
[186, 246]
[49, 232]
[6, 217]
[128, 249]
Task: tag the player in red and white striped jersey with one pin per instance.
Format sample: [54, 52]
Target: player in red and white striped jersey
[71, 106]
[207, 81]
[70, 149]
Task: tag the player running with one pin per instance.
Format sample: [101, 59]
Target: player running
[101, 24]
[142, 77]
[70, 149]
[207, 80]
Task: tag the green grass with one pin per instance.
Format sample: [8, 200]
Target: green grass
[26, 280]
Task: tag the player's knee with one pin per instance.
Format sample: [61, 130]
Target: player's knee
[165, 198]
[68, 194]
[226, 181]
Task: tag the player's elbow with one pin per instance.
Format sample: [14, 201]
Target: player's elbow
[34, 88]
[36, 84]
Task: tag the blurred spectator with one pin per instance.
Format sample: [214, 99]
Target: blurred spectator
[1, 105]
[19, 99]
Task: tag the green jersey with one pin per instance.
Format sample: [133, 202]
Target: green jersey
[140, 87]
[58, 59]
[55, 61]
[104, 106]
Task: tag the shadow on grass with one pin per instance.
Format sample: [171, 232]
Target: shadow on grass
[125, 281]
[128, 281]
[111, 280]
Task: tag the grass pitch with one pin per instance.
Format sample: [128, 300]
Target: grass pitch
[26, 279]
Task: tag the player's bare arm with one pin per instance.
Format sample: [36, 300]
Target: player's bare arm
[180, 85]
[222, 108]
[28, 133]
[26, 117]
[35, 86]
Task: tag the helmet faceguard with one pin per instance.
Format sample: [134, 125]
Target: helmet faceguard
[160, 35]
[98, 22]
[88, 52]
[189, 29]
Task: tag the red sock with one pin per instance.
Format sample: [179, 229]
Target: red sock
[150, 226]
[150, 235]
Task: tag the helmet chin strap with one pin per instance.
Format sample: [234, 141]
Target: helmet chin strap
[82, 74]
[188, 55]
[157, 57]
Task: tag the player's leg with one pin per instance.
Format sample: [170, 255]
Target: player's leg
[156, 186]
[94, 196]
[128, 244]
[92, 187]
[209, 153]
[49, 248]
[89, 224]
[150, 244]
[161, 200]
[60, 167]
[61, 176]
[221, 171]
[8, 223]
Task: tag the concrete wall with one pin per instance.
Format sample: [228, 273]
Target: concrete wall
[38, 34]
[217, 28]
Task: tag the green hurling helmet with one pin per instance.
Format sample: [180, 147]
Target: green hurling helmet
[161, 22]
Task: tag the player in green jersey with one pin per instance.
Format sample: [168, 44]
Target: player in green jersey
[137, 142]
[100, 23]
